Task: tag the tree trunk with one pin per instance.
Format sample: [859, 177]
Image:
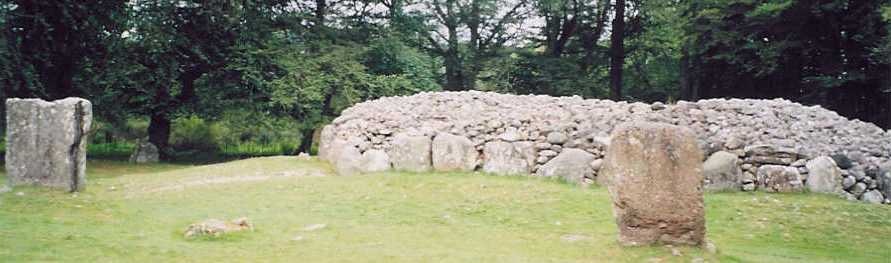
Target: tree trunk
[685, 89]
[617, 51]
[306, 135]
[159, 133]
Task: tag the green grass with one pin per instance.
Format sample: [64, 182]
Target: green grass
[137, 214]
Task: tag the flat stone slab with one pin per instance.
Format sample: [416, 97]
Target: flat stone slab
[654, 175]
[46, 142]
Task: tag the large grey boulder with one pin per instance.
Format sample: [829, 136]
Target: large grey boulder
[873, 197]
[411, 153]
[374, 161]
[721, 171]
[571, 164]
[145, 152]
[346, 157]
[654, 175]
[824, 176]
[779, 178]
[508, 158]
[46, 142]
[453, 153]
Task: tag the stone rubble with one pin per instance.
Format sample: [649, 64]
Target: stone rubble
[522, 134]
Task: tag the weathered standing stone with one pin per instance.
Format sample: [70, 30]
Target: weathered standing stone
[884, 181]
[778, 178]
[453, 153]
[145, 152]
[411, 153]
[506, 158]
[572, 165]
[46, 142]
[722, 172]
[654, 175]
[824, 176]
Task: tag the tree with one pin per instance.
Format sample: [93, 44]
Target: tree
[486, 22]
[815, 52]
[617, 51]
[47, 43]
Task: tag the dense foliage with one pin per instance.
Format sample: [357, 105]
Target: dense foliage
[257, 72]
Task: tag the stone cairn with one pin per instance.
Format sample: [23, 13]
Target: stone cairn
[46, 142]
[768, 145]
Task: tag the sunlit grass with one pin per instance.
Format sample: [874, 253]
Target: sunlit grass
[401, 217]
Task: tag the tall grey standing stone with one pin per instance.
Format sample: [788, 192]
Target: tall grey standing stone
[453, 153]
[145, 152]
[46, 142]
[824, 176]
[571, 164]
[411, 153]
[654, 175]
[721, 171]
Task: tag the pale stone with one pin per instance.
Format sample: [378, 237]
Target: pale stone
[722, 172]
[46, 142]
[374, 161]
[824, 176]
[506, 158]
[411, 153]
[454, 153]
[572, 165]
[778, 178]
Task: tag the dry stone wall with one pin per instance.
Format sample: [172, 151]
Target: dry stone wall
[769, 145]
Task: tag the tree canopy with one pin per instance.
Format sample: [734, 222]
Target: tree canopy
[310, 59]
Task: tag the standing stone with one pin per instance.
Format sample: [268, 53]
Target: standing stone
[374, 161]
[721, 171]
[654, 175]
[46, 142]
[145, 152]
[454, 153]
[824, 176]
[506, 158]
[411, 153]
[778, 178]
[572, 165]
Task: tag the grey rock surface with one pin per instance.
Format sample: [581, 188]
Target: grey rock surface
[46, 142]
[572, 165]
[507, 158]
[452, 153]
[778, 178]
[374, 161]
[411, 153]
[145, 152]
[722, 172]
[824, 176]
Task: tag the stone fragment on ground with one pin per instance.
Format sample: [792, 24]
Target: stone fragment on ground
[145, 152]
[217, 228]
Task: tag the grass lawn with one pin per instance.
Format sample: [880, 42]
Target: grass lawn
[138, 213]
